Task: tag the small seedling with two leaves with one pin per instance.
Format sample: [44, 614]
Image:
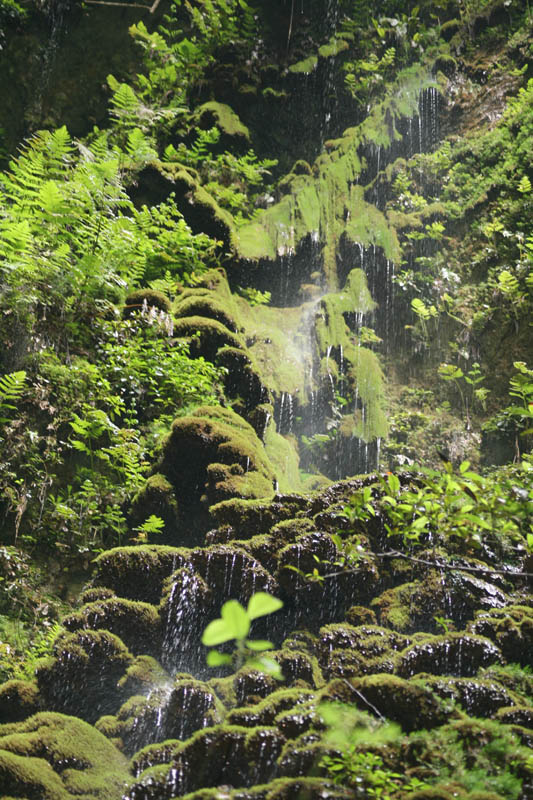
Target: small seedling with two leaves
[234, 623]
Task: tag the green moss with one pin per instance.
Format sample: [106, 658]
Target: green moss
[142, 675]
[283, 454]
[266, 711]
[305, 67]
[156, 497]
[137, 573]
[409, 703]
[137, 624]
[86, 763]
[225, 118]
[217, 451]
[208, 307]
[330, 203]
[207, 335]
[136, 300]
[18, 700]
[82, 675]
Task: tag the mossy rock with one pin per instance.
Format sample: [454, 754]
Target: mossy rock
[251, 517]
[348, 651]
[414, 606]
[457, 654]
[266, 711]
[360, 615]
[166, 713]
[205, 306]
[82, 676]
[478, 697]
[511, 629]
[95, 593]
[141, 298]
[142, 676]
[299, 668]
[137, 624]
[516, 715]
[51, 756]
[156, 498]
[224, 755]
[18, 700]
[410, 703]
[224, 117]
[215, 436]
[137, 573]
[207, 336]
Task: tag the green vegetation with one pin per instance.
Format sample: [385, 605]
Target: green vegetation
[187, 320]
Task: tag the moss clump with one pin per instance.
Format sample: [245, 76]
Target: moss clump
[251, 517]
[283, 454]
[266, 711]
[137, 573]
[305, 67]
[205, 306]
[142, 298]
[360, 615]
[82, 676]
[18, 700]
[156, 497]
[142, 675]
[206, 335]
[224, 117]
[511, 628]
[56, 757]
[409, 703]
[95, 593]
[137, 624]
[455, 654]
[215, 451]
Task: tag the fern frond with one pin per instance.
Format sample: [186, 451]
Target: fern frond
[11, 388]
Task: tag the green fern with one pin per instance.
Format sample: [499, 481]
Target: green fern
[11, 388]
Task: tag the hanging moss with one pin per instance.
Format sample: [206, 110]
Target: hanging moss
[329, 203]
[283, 454]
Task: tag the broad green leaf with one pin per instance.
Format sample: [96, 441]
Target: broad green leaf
[259, 645]
[236, 619]
[262, 603]
[216, 659]
[217, 632]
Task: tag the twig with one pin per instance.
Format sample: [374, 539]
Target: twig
[435, 565]
[123, 5]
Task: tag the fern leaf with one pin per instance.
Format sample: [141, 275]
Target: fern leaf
[11, 387]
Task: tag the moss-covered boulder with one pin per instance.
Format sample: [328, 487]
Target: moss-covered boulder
[216, 453]
[511, 628]
[417, 605]
[51, 756]
[81, 677]
[18, 700]
[454, 654]
[137, 624]
[156, 497]
[137, 573]
[224, 755]
[143, 299]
